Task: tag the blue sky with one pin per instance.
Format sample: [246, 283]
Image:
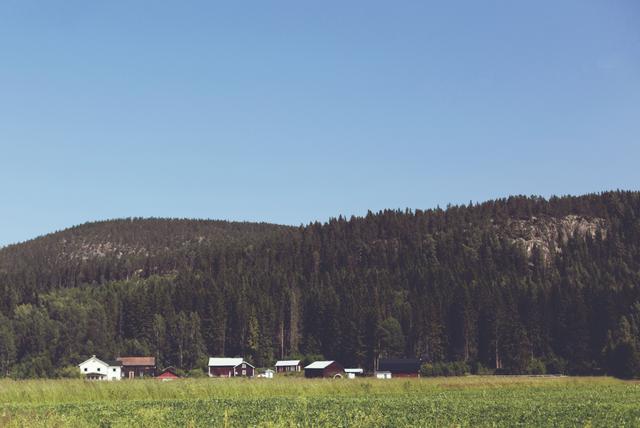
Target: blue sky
[290, 112]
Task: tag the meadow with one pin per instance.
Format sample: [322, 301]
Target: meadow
[294, 402]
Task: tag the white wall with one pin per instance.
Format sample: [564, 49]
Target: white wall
[94, 365]
[115, 373]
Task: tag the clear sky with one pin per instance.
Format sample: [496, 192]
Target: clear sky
[296, 111]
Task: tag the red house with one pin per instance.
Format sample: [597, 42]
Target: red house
[168, 374]
[324, 369]
[287, 366]
[230, 367]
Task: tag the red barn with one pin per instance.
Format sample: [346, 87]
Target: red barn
[324, 369]
[287, 366]
[230, 367]
[168, 374]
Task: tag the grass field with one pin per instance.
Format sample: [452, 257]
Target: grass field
[440, 402]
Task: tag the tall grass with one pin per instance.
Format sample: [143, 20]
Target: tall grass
[289, 402]
[73, 390]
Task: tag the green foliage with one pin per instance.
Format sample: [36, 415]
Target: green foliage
[454, 368]
[68, 372]
[536, 367]
[556, 365]
[391, 338]
[195, 373]
[481, 370]
[506, 284]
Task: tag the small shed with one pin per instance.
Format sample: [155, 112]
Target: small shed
[267, 374]
[352, 373]
[383, 375]
[287, 366]
[400, 367]
[330, 369]
[168, 373]
[230, 367]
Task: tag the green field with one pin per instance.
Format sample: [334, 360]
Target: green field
[442, 402]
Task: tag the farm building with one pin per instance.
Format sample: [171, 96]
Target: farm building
[168, 374]
[324, 369]
[268, 374]
[97, 369]
[230, 367]
[140, 367]
[287, 366]
[400, 367]
[352, 373]
[383, 375]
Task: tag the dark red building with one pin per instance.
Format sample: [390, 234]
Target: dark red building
[400, 367]
[230, 367]
[137, 367]
[330, 369]
[288, 366]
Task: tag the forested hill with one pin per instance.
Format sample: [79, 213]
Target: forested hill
[103, 251]
[516, 285]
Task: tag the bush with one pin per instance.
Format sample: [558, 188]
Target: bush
[556, 365]
[195, 373]
[454, 368]
[481, 370]
[536, 367]
[68, 372]
[626, 361]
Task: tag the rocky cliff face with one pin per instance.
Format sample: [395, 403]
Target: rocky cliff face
[549, 234]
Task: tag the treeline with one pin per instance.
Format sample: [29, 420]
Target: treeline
[479, 286]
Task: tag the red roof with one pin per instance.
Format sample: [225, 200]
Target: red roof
[137, 361]
[168, 374]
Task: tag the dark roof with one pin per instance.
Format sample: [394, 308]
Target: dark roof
[399, 365]
[113, 363]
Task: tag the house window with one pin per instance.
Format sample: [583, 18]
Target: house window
[98, 368]
[244, 372]
[114, 370]
[244, 366]
[85, 369]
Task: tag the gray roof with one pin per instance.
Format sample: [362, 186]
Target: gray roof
[319, 365]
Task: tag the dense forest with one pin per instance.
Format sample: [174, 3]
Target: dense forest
[516, 285]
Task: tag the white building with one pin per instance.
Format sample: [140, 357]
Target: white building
[352, 373]
[268, 374]
[96, 369]
[383, 375]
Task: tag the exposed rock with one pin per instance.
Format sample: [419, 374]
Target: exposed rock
[549, 234]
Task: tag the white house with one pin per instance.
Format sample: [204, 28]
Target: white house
[96, 369]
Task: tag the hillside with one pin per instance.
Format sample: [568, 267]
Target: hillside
[516, 285]
[117, 249]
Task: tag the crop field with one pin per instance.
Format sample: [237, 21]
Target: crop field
[290, 402]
